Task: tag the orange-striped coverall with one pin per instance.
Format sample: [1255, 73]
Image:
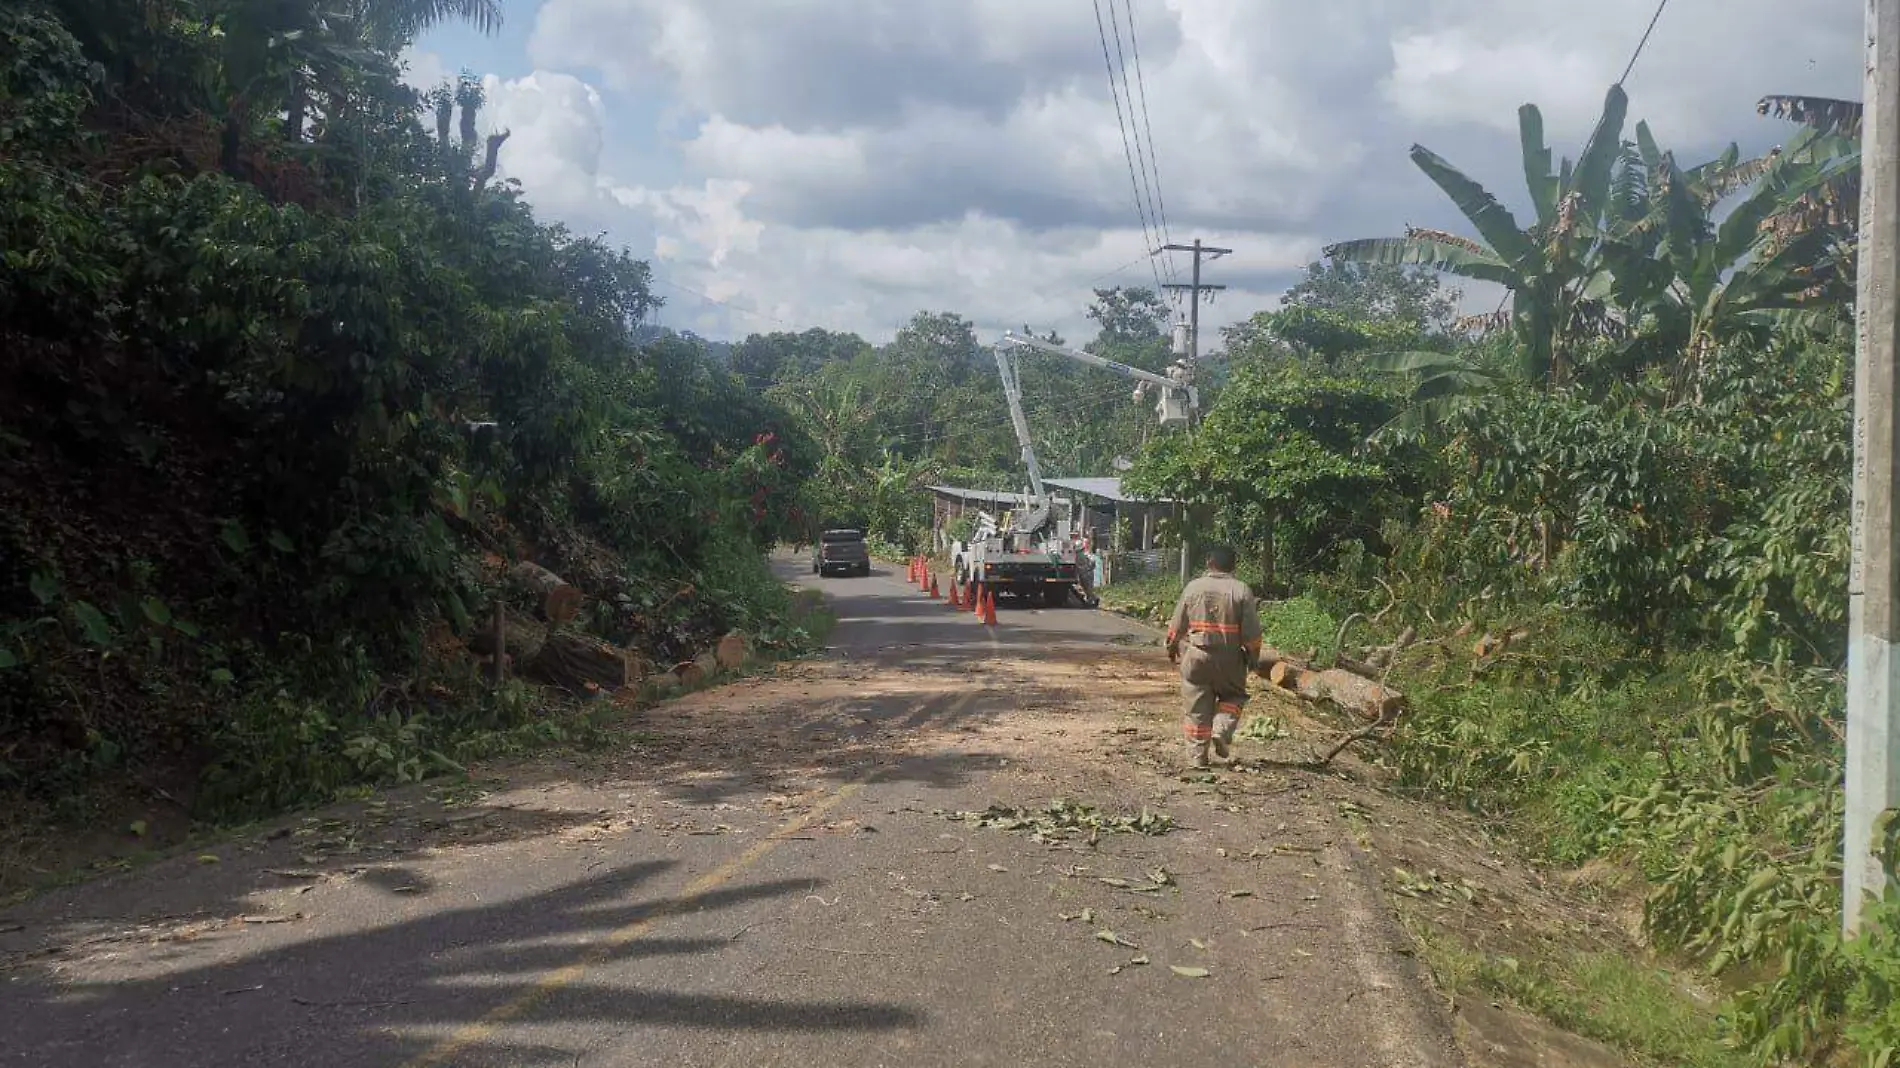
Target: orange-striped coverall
[1215, 638]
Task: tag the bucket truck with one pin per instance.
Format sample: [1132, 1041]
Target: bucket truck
[1030, 552]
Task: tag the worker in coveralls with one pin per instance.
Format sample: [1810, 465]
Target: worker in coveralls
[1215, 638]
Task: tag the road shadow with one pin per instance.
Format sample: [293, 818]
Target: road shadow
[386, 992]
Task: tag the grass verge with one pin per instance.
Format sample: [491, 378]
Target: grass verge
[1640, 1010]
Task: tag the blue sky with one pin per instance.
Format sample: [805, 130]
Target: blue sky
[847, 163]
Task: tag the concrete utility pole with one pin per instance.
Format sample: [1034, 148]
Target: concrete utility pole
[1873, 581]
[1195, 289]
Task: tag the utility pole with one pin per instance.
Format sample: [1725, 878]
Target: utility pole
[1195, 289]
[1873, 581]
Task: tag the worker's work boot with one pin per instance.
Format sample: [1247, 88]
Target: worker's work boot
[1197, 756]
[1221, 744]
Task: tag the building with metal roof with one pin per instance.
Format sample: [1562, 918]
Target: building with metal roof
[1108, 489]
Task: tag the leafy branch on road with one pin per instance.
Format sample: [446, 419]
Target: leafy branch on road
[1063, 820]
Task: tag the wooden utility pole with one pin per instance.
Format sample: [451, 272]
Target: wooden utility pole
[1873, 582]
[1195, 289]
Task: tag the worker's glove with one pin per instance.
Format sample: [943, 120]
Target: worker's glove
[1174, 654]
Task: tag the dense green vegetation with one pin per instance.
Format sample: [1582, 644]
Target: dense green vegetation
[928, 407]
[286, 379]
[1642, 471]
[1639, 470]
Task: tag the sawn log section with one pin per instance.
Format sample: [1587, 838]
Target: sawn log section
[1366, 698]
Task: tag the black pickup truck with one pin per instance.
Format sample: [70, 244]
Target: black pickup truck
[841, 552]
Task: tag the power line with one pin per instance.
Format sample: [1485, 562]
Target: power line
[1104, 395]
[1142, 155]
[722, 303]
[1154, 154]
[1634, 56]
[1141, 211]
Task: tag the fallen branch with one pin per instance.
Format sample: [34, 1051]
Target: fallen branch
[1356, 736]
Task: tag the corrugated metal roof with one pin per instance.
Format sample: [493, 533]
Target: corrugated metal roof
[987, 496]
[1108, 488]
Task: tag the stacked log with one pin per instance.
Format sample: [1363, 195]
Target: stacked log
[556, 600]
[732, 652]
[523, 639]
[580, 662]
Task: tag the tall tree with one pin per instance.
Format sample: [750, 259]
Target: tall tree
[1375, 292]
[1128, 314]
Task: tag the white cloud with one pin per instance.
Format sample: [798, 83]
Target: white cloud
[849, 162]
[554, 124]
[423, 71]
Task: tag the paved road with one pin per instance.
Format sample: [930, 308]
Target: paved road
[764, 875]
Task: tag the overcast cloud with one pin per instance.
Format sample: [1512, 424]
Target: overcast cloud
[846, 163]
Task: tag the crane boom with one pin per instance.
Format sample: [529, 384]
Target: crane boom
[1013, 393]
[1168, 385]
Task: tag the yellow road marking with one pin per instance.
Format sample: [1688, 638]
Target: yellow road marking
[491, 1021]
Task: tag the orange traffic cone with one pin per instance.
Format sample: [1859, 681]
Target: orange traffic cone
[956, 600]
[934, 594]
[910, 570]
[976, 598]
[989, 608]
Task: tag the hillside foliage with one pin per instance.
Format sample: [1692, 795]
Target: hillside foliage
[287, 379]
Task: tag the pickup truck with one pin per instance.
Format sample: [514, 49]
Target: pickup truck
[841, 552]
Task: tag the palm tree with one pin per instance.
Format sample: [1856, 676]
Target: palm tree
[381, 26]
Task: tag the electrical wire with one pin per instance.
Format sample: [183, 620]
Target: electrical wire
[1128, 151]
[1090, 400]
[1158, 206]
[1634, 56]
[1142, 154]
[1154, 154]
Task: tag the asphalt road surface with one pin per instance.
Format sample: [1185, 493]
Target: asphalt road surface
[768, 873]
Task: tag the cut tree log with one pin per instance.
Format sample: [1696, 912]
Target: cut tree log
[571, 661]
[732, 652]
[1271, 658]
[524, 639]
[1361, 696]
[558, 601]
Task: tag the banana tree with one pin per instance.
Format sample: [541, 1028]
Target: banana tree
[1553, 268]
[1686, 282]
